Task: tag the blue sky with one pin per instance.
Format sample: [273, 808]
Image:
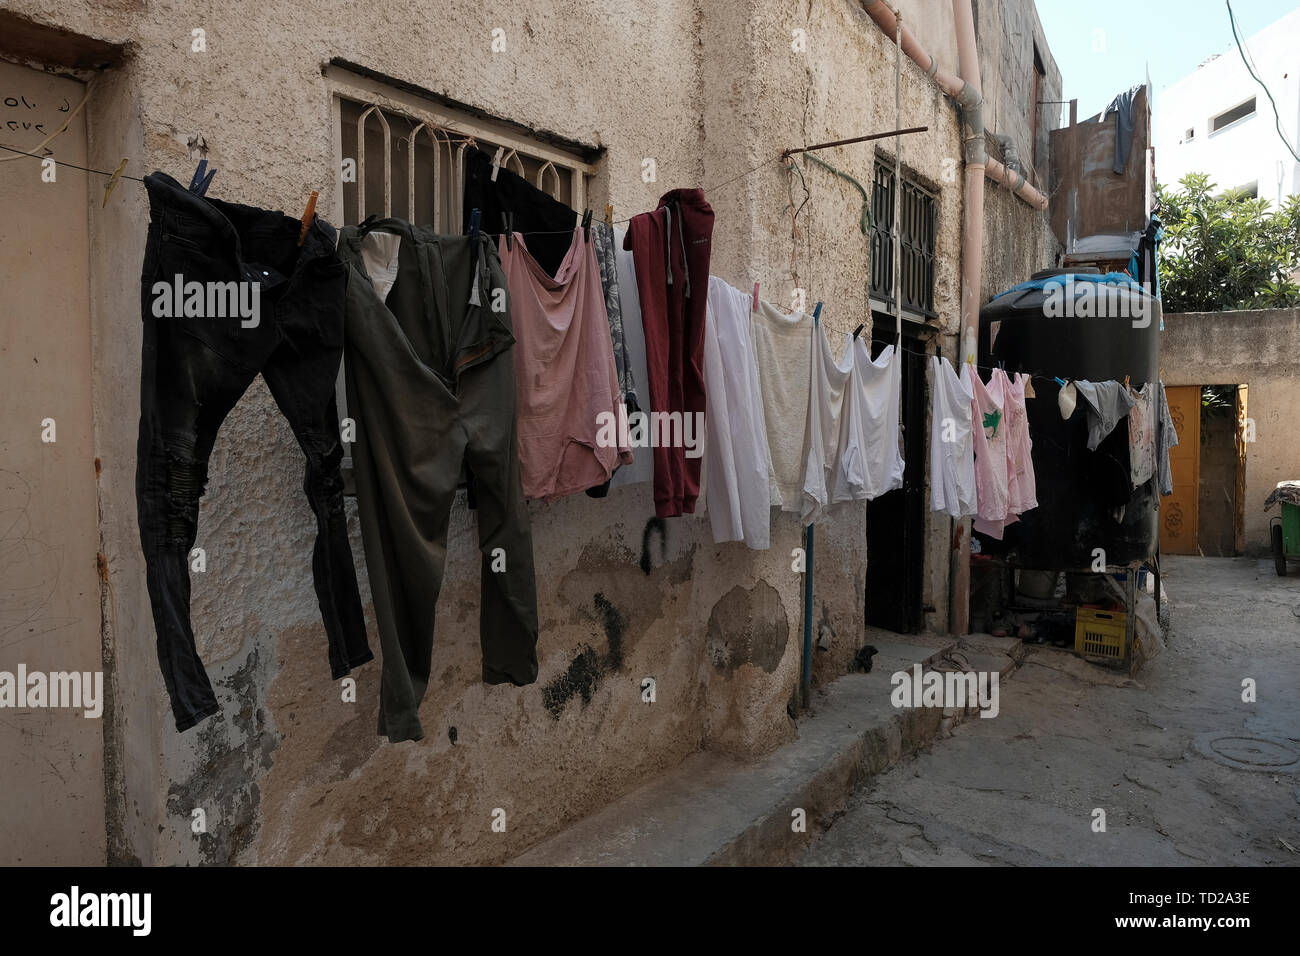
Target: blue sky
[1168, 37]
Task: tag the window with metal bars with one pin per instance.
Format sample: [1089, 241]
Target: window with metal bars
[414, 168]
[916, 237]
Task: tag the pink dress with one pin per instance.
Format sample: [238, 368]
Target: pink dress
[1022, 489]
[1004, 468]
[989, 428]
[571, 433]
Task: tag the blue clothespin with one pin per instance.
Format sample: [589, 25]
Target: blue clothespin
[473, 223]
[817, 313]
[199, 183]
[1059, 381]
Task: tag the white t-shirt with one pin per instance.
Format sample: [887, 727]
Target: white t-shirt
[952, 449]
[737, 462]
[827, 382]
[1142, 435]
[782, 350]
[870, 454]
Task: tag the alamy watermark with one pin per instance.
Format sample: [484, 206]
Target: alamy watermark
[950, 689]
[1066, 298]
[126, 910]
[652, 430]
[77, 690]
[208, 300]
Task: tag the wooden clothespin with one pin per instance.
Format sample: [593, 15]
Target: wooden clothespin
[755, 296]
[308, 214]
[609, 217]
[1126, 385]
[474, 216]
[113, 181]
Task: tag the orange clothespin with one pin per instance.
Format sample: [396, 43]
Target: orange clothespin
[113, 181]
[755, 296]
[307, 216]
[1126, 385]
[609, 216]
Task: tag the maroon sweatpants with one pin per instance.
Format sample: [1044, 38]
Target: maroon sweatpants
[670, 248]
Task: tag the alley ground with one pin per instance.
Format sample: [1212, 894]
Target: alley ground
[1167, 757]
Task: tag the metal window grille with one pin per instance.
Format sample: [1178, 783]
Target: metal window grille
[917, 237]
[413, 167]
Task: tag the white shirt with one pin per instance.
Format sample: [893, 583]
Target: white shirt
[952, 449]
[737, 461]
[870, 456]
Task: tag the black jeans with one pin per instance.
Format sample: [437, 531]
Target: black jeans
[194, 369]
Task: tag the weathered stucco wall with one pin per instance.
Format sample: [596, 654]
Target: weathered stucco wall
[1258, 349]
[289, 772]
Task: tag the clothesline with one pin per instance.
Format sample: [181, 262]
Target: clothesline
[138, 179]
[84, 169]
[1039, 375]
[540, 232]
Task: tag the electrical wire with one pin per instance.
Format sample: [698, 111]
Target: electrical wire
[1277, 118]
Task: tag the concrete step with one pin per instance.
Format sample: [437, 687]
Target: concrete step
[713, 809]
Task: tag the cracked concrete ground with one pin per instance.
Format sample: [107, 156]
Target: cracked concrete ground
[1186, 772]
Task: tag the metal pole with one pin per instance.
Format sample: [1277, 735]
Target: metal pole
[805, 689]
[898, 183]
[1130, 597]
[856, 139]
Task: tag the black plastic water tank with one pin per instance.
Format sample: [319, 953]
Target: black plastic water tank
[1075, 325]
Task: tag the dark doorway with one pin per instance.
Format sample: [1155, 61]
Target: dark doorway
[1221, 476]
[896, 521]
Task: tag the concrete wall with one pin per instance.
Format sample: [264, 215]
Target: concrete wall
[1250, 150]
[1258, 349]
[1008, 34]
[289, 772]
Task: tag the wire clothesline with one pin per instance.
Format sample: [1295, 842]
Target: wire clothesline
[84, 169]
[138, 179]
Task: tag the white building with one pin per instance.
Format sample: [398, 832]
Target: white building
[1219, 121]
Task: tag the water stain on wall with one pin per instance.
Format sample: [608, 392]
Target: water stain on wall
[234, 752]
[748, 626]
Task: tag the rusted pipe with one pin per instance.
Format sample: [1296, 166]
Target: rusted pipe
[972, 259]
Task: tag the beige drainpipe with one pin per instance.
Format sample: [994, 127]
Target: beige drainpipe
[972, 260]
[966, 89]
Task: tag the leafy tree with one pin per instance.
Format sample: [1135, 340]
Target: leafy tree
[1227, 250]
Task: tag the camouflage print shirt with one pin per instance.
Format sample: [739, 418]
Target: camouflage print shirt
[613, 305]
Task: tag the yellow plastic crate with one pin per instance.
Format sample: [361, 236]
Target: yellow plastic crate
[1099, 633]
